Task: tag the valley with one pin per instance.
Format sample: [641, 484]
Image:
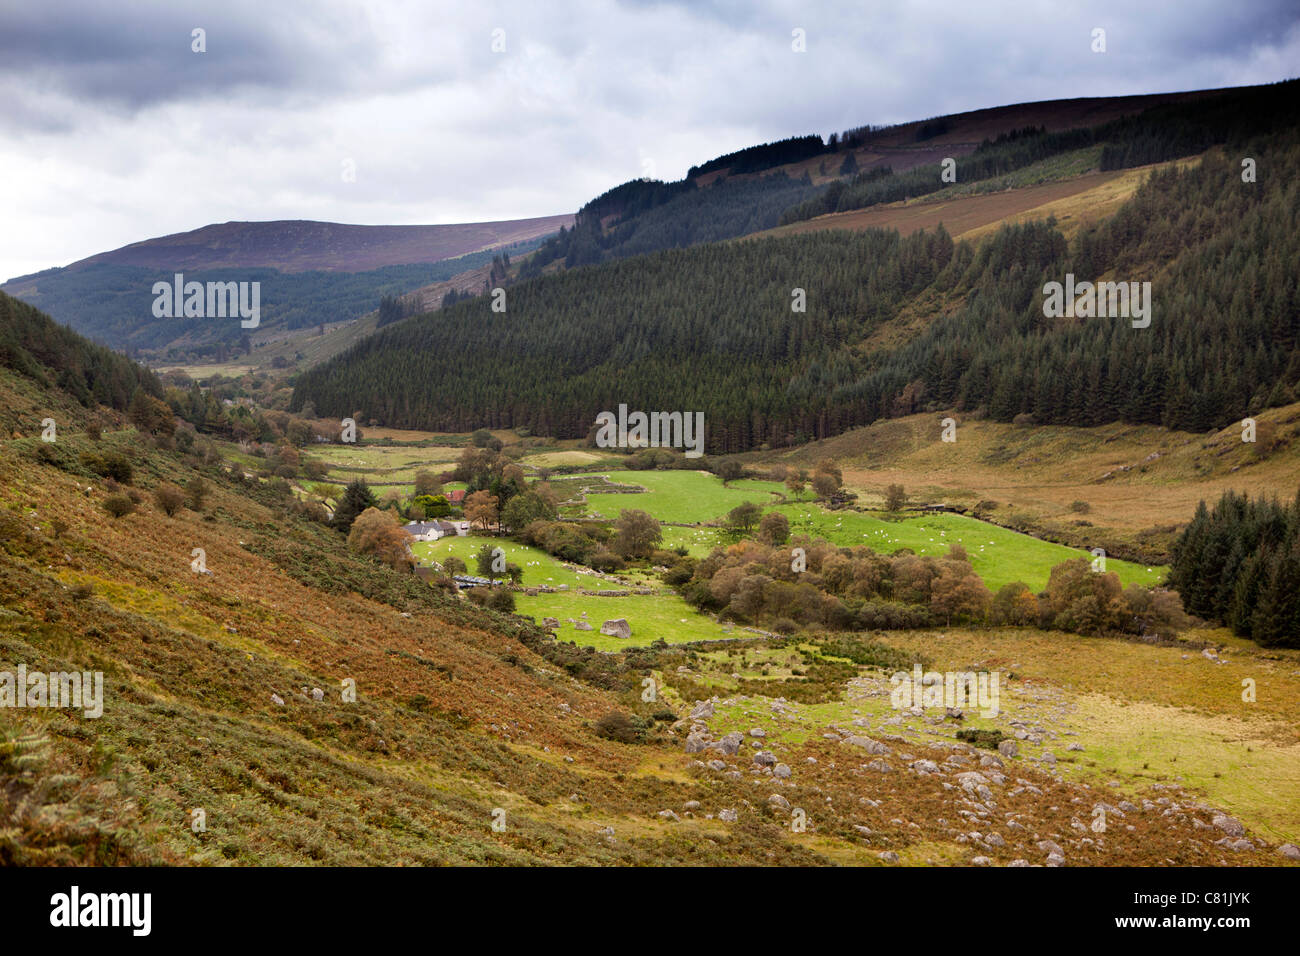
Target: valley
[258, 628]
[371, 588]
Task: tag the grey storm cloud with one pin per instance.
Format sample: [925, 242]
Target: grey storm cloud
[112, 130]
[131, 55]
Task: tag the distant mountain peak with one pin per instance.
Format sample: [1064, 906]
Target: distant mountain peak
[302, 245]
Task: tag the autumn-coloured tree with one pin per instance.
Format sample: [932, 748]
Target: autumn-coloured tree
[774, 529]
[1015, 604]
[196, 493]
[118, 505]
[152, 415]
[729, 470]
[957, 592]
[895, 498]
[547, 494]
[427, 483]
[827, 466]
[824, 485]
[169, 498]
[481, 509]
[378, 533]
[637, 533]
[287, 454]
[1081, 599]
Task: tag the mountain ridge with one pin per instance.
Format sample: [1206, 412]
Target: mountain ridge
[283, 244]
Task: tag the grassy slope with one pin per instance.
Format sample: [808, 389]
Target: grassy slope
[1161, 713]
[454, 716]
[969, 211]
[539, 568]
[662, 616]
[25, 405]
[191, 663]
[899, 148]
[999, 555]
[680, 496]
[1139, 482]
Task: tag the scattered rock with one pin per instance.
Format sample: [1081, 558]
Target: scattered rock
[317, 694]
[1290, 851]
[776, 800]
[727, 816]
[869, 745]
[702, 710]
[972, 780]
[1228, 825]
[730, 744]
[1235, 845]
[277, 700]
[618, 627]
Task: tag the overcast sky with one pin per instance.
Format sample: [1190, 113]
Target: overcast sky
[113, 130]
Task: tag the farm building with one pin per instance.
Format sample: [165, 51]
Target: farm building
[428, 530]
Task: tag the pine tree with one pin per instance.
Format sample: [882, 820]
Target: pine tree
[1277, 617]
[357, 497]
